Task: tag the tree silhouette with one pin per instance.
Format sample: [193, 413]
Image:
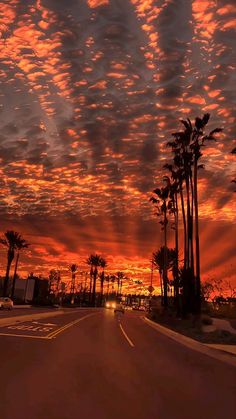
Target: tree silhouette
[73, 269]
[11, 240]
[94, 261]
[161, 202]
[20, 245]
[103, 264]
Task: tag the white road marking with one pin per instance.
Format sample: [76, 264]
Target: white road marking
[45, 324]
[126, 336]
[23, 336]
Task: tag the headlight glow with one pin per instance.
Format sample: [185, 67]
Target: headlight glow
[107, 304]
[113, 305]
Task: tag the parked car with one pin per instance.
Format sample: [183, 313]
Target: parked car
[6, 302]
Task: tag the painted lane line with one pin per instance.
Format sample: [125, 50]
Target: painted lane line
[66, 326]
[23, 336]
[126, 336]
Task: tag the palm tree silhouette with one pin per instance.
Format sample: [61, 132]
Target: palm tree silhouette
[107, 278]
[187, 146]
[10, 240]
[73, 269]
[103, 264]
[161, 202]
[20, 245]
[120, 277]
[94, 261]
[164, 258]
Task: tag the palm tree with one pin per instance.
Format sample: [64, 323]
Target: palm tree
[174, 187]
[187, 147]
[20, 245]
[113, 280]
[164, 259]
[11, 239]
[107, 278]
[94, 261]
[120, 276]
[73, 269]
[161, 203]
[103, 264]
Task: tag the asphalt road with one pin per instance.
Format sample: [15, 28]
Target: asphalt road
[91, 364]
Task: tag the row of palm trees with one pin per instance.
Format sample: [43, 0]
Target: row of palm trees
[97, 272]
[178, 199]
[14, 243]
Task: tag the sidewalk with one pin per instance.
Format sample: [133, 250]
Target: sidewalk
[224, 353]
[222, 324]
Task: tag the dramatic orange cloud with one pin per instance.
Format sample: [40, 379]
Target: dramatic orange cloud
[90, 94]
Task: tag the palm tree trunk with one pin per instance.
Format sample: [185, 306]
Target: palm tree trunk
[176, 279]
[6, 279]
[184, 225]
[118, 286]
[94, 287]
[121, 284]
[161, 285]
[90, 285]
[188, 220]
[14, 276]
[191, 218]
[197, 244]
[190, 268]
[165, 284]
[102, 284]
[108, 287]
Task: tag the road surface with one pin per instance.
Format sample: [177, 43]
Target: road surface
[92, 364]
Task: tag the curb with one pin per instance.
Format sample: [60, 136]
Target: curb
[7, 321]
[27, 317]
[218, 354]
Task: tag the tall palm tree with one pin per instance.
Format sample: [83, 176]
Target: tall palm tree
[113, 280]
[197, 142]
[107, 278]
[173, 207]
[94, 261]
[187, 146]
[20, 245]
[164, 259]
[120, 276]
[73, 269]
[11, 239]
[161, 202]
[103, 264]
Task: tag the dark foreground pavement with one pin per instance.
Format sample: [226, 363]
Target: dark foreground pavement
[87, 364]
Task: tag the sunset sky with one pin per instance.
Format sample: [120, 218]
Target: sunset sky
[90, 92]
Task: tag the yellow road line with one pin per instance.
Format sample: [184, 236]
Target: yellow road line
[66, 326]
[126, 336]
